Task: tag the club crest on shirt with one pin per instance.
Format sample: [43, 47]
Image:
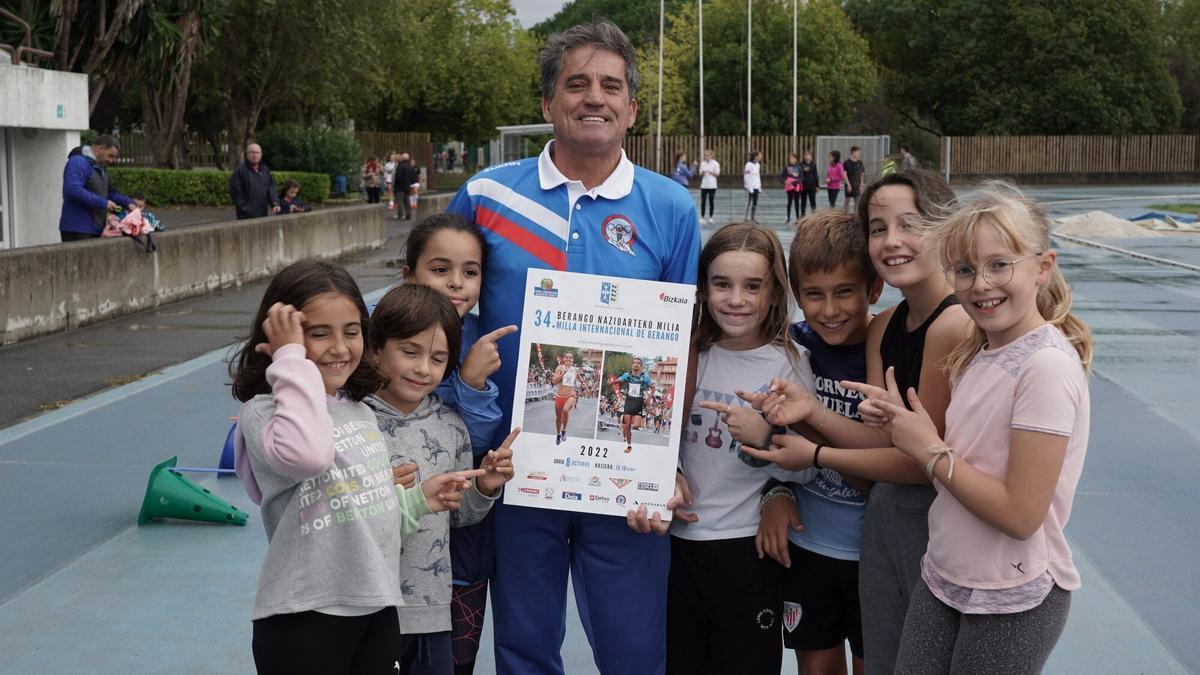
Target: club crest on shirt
[620, 232]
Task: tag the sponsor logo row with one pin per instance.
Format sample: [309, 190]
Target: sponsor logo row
[594, 481]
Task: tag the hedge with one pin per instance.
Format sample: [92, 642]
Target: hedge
[205, 188]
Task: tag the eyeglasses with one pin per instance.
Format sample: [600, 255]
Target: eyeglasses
[997, 273]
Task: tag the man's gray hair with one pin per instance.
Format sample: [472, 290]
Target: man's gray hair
[601, 34]
[107, 141]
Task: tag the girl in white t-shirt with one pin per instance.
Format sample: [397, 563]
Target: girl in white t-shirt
[724, 602]
[998, 572]
[752, 181]
[710, 170]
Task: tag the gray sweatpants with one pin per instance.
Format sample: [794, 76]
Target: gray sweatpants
[939, 639]
[895, 536]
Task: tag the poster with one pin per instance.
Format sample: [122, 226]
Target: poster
[599, 392]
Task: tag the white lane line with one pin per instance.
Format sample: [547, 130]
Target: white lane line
[110, 396]
[1126, 252]
[1138, 198]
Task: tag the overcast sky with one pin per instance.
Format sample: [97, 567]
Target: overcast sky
[530, 12]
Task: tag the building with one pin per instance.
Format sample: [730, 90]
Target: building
[664, 376]
[41, 114]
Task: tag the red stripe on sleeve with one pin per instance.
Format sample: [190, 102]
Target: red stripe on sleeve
[529, 242]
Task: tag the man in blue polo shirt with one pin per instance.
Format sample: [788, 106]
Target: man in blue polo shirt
[580, 206]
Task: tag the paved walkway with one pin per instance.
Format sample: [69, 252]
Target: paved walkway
[83, 589]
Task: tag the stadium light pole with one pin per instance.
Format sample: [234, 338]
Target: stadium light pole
[749, 38]
[795, 14]
[658, 142]
[700, 10]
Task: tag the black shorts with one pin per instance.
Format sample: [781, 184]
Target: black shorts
[824, 592]
[723, 608]
[633, 406]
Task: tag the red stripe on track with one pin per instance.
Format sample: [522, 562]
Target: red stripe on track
[531, 243]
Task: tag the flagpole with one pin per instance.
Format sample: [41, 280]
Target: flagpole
[749, 37]
[700, 8]
[658, 142]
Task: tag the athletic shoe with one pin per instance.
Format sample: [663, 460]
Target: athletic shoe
[558, 439]
[628, 449]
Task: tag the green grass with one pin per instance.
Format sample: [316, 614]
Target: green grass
[1193, 209]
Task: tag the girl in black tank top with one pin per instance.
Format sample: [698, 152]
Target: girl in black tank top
[905, 351]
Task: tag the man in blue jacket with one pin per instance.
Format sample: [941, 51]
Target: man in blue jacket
[88, 196]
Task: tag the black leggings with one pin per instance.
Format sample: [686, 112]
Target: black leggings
[793, 198]
[709, 194]
[833, 195]
[808, 198]
[372, 195]
[311, 642]
[751, 204]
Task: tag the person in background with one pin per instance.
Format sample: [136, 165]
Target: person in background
[907, 161]
[855, 177]
[251, 186]
[683, 172]
[370, 176]
[752, 182]
[710, 170]
[289, 199]
[88, 196]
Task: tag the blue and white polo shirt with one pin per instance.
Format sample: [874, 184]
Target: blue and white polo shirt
[636, 224]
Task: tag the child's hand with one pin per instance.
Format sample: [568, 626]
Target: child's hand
[444, 492]
[913, 432]
[284, 325]
[497, 466]
[872, 414]
[788, 403]
[787, 451]
[778, 516]
[745, 424]
[483, 359]
[405, 475]
[638, 522]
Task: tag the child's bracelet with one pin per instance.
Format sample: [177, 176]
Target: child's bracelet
[824, 415]
[940, 452]
[773, 493]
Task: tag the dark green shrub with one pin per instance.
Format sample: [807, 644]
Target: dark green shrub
[164, 187]
[315, 150]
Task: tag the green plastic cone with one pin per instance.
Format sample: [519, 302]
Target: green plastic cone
[170, 495]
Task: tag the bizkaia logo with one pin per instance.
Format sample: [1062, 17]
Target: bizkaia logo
[529, 491]
[537, 475]
[647, 486]
[621, 482]
[674, 299]
[573, 496]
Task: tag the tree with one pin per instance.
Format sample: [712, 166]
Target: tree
[637, 18]
[963, 67]
[176, 32]
[459, 69]
[1182, 31]
[834, 75]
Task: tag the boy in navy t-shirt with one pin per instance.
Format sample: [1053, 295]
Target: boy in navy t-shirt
[835, 285]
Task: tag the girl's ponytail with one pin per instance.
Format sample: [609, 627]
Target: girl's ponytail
[1054, 304]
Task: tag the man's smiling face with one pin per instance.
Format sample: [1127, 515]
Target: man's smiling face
[591, 109]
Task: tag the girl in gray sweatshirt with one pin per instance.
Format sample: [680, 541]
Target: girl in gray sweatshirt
[416, 334]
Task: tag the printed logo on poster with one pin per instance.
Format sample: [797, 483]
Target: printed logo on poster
[621, 499]
[537, 475]
[594, 482]
[569, 479]
[529, 491]
[549, 493]
[608, 292]
[620, 232]
[674, 299]
[621, 482]
[573, 496]
[546, 289]
[598, 498]
[647, 486]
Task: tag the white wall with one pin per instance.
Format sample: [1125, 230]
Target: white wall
[41, 114]
[38, 159]
[43, 99]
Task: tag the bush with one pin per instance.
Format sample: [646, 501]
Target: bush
[315, 150]
[164, 187]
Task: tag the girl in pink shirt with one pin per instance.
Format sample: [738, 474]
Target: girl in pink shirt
[998, 572]
[834, 176]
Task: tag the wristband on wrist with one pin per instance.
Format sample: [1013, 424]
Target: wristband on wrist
[939, 453]
[773, 493]
[817, 456]
[824, 415]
